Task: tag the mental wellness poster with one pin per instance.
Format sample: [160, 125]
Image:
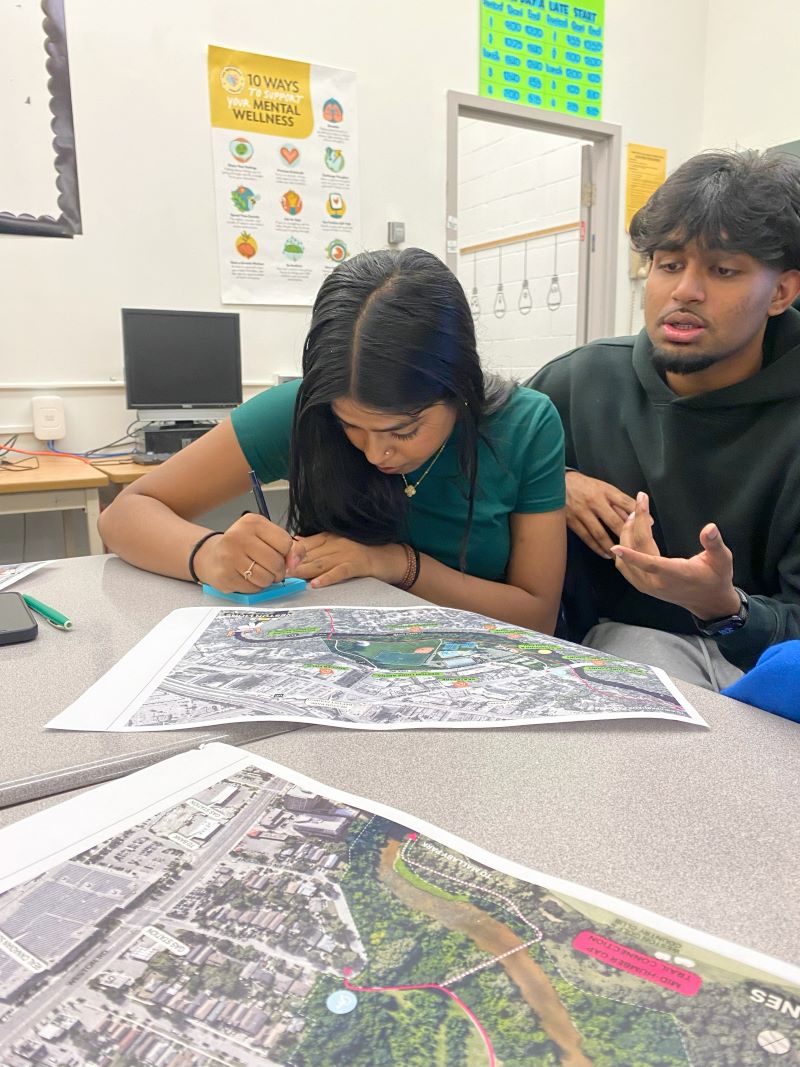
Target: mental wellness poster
[285, 150]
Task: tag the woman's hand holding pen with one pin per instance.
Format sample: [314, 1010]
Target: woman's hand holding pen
[328, 559]
[251, 555]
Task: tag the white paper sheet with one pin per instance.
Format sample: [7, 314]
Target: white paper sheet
[14, 572]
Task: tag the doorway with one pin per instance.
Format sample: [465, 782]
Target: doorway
[532, 205]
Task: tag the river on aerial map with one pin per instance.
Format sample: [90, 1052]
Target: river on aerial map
[494, 937]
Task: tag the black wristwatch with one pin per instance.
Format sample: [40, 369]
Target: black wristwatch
[728, 624]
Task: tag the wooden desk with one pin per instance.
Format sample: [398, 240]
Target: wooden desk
[125, 471]
[57, 484]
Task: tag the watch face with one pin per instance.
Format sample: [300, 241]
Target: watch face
[722, 627]
[730, 627]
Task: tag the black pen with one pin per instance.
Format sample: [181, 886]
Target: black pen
[259, 495]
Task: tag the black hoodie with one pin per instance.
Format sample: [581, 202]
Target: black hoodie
[731, 456]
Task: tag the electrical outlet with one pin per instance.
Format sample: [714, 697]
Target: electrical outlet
[396, 233]
[49, 423]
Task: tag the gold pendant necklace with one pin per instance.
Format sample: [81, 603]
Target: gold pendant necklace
[410, 490]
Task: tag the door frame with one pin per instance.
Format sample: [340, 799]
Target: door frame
[599, 202]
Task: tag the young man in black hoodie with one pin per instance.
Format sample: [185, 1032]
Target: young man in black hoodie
[684, 442]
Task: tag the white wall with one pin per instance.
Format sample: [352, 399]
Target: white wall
[513, 181]
[141, 118]
[143, 145]
[654, 88]
[140, 100]
[751, 83]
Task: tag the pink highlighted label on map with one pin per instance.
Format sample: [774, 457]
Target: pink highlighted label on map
[643, 966]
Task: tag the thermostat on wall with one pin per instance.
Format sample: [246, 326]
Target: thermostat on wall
[49, 423]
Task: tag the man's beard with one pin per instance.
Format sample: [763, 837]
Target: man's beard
[669, 364]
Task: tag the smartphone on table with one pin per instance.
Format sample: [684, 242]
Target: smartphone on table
[16, 621]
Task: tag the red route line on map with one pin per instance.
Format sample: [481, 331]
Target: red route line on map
[412, 837]
[437, 985]
[515, 910]
[473, 1018]
[330, 620]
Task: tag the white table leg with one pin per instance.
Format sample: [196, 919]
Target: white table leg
[92, 515]
[72, 546]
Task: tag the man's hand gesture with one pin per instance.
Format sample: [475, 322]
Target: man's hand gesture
[703, 584]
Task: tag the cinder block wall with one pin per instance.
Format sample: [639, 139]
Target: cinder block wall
[514, 181]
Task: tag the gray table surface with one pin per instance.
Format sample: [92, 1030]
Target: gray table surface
[696, 825]
[112, 606]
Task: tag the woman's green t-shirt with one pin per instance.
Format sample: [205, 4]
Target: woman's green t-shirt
[520, 471]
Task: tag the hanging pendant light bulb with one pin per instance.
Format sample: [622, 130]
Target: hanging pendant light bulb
[474, 302]
[554, 292]
[525, 302]
[499, 305]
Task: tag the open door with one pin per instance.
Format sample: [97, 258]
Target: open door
[532, 228]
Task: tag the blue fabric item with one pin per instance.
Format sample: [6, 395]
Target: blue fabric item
[774, 683]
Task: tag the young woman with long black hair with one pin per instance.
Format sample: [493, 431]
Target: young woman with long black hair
[406, 462]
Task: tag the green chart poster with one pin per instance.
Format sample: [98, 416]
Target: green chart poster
[544, 53]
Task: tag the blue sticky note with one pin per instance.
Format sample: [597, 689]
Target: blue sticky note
[288, 587]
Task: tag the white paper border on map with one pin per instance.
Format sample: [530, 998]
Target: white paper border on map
[32, 846]
[22, 571]
[115, 696]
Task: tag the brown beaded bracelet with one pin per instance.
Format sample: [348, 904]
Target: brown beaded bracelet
[412, 568]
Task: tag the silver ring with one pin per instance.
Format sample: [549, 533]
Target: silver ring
[248, 574]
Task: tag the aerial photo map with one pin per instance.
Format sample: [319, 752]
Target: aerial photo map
[372, 668]
[241, 915]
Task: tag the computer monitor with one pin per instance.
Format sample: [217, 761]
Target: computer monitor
[181, 365]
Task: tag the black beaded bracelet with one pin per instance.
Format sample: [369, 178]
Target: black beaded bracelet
[197, 546]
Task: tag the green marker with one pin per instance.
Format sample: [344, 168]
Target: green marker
[55, 618]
